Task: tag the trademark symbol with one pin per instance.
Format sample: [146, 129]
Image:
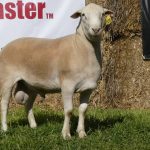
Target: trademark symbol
[49, 15]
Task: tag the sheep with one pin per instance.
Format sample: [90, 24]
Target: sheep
[31, 66]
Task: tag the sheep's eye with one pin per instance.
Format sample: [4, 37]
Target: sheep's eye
[83, 15]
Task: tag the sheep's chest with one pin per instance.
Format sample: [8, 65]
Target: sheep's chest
[89, 76]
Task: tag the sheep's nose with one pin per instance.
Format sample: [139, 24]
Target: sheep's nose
[96, 30]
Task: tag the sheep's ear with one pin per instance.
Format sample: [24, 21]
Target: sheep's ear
[108, 12]
[76, 14]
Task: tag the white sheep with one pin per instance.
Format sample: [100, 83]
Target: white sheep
[31, 66]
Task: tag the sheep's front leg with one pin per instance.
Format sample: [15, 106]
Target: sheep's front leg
[29, 111]
[84, 97]
[67, 94]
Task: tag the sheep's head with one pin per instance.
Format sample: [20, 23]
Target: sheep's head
[92, 20]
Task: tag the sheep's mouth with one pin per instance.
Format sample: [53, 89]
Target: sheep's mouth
[97, 34]
[93, 36]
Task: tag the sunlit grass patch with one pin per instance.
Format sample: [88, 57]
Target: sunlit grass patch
[110, 129]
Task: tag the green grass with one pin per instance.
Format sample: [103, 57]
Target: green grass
[110, 129]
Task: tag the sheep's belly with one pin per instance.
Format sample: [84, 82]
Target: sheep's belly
[45, 84]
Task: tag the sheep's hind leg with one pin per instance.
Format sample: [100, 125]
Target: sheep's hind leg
[23, 98]
[29, 111]
[6, 94]
[25, 95]
[84, 97]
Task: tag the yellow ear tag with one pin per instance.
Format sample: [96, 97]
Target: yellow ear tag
[108, 20]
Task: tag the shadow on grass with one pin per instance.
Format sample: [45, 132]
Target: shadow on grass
[40, 118]
[91, 124]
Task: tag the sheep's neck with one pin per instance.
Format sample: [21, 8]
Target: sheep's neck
[95, 44]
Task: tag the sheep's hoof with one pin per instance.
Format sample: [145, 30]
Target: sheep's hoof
[33, 126]
[66, 135]
[4, 129]
[82, 134]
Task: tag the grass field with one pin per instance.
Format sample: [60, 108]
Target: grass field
[110, 129]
